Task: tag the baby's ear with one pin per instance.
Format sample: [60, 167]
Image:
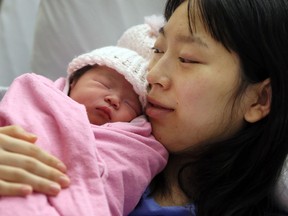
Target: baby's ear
[260, 107]
[72, 83]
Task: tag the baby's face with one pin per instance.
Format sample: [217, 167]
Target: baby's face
[107, 96]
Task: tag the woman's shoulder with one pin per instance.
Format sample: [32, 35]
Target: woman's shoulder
[149, 207]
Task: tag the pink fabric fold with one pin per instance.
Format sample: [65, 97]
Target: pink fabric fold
[110, 166]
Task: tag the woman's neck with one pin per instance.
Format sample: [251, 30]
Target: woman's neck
[174, 196]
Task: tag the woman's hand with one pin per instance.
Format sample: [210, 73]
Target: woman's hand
[24, 167]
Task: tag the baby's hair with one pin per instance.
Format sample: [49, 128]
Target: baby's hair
[77, 74]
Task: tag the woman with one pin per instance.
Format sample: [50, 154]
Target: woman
[218, 102]
[25, 166]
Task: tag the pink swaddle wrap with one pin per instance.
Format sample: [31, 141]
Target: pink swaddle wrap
[110, 166]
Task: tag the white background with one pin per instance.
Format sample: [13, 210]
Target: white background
[42, 36]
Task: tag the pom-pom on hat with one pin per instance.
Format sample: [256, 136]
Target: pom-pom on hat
[141, 38]
[126, 62]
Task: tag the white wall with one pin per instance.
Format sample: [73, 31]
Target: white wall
[17, 22]
[44, 35]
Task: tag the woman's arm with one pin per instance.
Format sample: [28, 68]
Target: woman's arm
[24, 167]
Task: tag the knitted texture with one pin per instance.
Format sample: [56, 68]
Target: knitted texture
[126, 62]
[141, 38]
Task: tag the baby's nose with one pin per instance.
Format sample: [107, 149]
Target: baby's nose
[113, 100]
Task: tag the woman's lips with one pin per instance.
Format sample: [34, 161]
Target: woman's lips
[156, 109]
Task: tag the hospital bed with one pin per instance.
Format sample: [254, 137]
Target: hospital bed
[42, 36]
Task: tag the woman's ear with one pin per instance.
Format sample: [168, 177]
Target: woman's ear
[262, 103]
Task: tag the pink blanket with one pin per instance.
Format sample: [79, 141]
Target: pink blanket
[110, 166]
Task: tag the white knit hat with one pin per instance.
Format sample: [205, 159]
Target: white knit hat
[126, 62]
[141, 38]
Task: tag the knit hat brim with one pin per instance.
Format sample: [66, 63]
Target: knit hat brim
[126, 62]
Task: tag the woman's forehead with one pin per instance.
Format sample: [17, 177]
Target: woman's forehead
[179, 27]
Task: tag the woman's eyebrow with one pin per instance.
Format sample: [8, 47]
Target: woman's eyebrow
[186, 39]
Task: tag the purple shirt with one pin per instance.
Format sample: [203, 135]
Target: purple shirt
[148, 207]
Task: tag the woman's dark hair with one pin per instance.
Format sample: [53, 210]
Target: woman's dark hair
[238, 176]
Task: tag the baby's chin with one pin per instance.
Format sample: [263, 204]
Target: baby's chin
[98, 120]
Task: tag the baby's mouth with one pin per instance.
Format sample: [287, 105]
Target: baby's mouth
[106, 111]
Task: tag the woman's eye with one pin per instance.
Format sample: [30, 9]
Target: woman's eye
[156, 50]
[184, 60]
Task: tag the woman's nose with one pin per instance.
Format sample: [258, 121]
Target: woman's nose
[158, 74]
[113, 100]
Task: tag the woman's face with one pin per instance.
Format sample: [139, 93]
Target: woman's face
[192, 80]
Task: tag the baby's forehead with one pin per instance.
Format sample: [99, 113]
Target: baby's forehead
[111, 75]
